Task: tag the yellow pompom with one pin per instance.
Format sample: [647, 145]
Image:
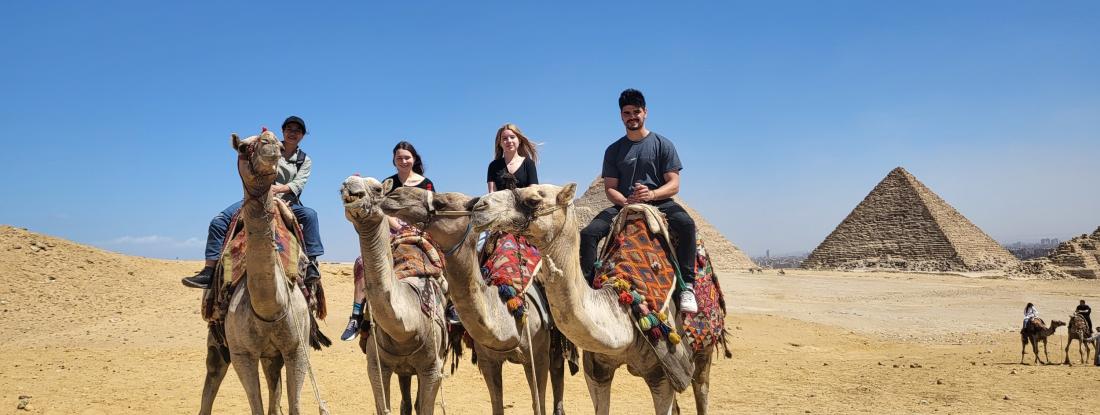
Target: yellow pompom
[661, 316]
[644, 323]
[674, 338]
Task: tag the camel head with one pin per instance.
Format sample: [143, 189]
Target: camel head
[257, 160]
[1055, 324]
[538, 211]
[361, 196]
[441, 212]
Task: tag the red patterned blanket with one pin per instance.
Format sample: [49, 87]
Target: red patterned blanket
[708, 326]
[509, 263]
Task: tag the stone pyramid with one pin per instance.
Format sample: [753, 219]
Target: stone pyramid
[901, 224]
[724, 253]
[1080, 256]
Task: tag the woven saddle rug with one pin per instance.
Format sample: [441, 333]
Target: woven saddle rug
[510, 263]
[636, 261]
[415, 257]
[231, 269]
[708, 326]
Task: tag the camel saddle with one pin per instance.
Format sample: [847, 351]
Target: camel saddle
[638, 262]
[707, 327]
[510, 263]
[415, 257]
[231, 269]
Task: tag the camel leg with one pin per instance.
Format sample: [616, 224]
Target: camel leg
[700, 383]
[379, 382]
[216, 367]
[534, 374]
[273, 371]
[1023, 348]
[557, 375]
[297, 366]
[1035, 349]
[542, 372]
[249, 373]
[1046, 353]
[599, 378]
[491, 371]
[404, 383]
[427, 383]
[664, 397]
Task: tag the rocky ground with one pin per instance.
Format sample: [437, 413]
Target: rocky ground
[84, 331]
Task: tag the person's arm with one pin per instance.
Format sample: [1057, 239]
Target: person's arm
[671, 187]
[489, 177]
[532, 171]
[610, 185]
[299, 181]
[492, 187]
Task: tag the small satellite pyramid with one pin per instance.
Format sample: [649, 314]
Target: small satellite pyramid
[903, 225]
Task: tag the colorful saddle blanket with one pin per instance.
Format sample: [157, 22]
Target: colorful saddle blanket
[708, 326]
[415, 256]
[232, 266]
[510, 263]
[636, 261]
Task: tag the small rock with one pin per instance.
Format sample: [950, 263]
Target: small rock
[17, 247]
[24, 400]
[738, 327]
[1007, 398]
[130, 272]
[973, 363]
[895, 366]
[914, 365]
[880, 364]
[52, 278]
[923, 402]
[939, 381]
[825, 364]
[1013, 372]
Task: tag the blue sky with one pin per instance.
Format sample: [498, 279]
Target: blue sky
[785, 114]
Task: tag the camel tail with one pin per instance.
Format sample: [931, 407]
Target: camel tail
[454, 338]
[726, 343]
[322, 309]
[317, 339]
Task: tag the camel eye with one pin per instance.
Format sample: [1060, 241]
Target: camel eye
[532, 203]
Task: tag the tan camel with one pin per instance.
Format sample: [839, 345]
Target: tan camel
[498, 337]
[1034, 333]
[407, 342]
[268, 318]
[593, 319]
[1078, 330]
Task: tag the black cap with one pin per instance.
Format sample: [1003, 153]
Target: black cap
[294, 119]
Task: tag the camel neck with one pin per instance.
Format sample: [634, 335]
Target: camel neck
[266, 285]
[477, 303]
[393, 310]
[593, 319]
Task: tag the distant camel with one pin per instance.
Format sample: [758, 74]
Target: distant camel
[1078, 330]
[1034, 333]
[781, 272]
[752, 270]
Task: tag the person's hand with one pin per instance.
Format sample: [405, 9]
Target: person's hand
[280, 188]
[641, 194]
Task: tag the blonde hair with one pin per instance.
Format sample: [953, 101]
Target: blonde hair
[525, 149]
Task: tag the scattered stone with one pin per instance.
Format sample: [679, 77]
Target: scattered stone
[923, 402]
[939, 381]
[914, 365]
[973, 363]
[24, 400]
[825, 364]
[880, 364]
[895, 366]
[52, 278]
[1007, 398]
[1013, 372]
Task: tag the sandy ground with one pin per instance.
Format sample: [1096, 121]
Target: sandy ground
[84, 331]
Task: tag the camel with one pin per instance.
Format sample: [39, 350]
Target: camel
[593, 319]
[405, 340]
[1034, 333]
[498, 337]
[268, 319]
[1078, 330]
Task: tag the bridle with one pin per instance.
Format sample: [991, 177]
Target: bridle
[531, 214]
[432, 214]
[250, 157]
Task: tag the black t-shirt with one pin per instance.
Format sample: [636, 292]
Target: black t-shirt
[525, 175]
[644, 162]
[1084, 309]
[393, 182]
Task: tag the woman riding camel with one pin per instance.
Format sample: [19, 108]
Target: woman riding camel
[410, 173]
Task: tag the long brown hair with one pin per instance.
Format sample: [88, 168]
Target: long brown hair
[418, 165]
[525, 148]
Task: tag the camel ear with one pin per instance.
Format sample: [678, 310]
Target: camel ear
[235, 141]
[565, 196]
[469, 206]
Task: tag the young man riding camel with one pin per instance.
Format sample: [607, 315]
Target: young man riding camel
[643, 167]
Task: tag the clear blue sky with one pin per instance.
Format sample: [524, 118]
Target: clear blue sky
[117, 115]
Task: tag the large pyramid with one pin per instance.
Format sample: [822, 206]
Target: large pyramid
[901, 224]
[724, 253]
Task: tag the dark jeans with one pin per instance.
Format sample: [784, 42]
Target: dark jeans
[311, 231]
[680, 226]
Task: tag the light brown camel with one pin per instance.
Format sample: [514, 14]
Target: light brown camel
[498, 337]
[1034, 333]
[1078, 330]
[593, 319]
[268, 318]
[406, 340]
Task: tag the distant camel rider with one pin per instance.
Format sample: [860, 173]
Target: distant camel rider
[1085, 311]
[643, 167]
[293, 172]
[1029, 313]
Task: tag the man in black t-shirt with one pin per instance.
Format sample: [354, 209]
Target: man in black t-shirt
[643, 167]
[1085, 311]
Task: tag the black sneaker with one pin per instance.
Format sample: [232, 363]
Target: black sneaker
[200, 280]
[353, 328]
[452, 315]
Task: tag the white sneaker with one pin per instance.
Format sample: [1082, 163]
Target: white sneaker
[687, 301]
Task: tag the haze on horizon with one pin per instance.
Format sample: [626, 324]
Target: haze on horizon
[785, 116]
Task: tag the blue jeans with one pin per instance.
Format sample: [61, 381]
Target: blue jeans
[215, 238]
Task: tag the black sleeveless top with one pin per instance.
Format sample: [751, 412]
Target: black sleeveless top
[524, 176]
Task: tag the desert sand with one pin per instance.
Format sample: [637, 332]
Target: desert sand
[85, 331]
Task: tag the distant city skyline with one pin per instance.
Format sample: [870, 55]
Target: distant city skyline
[785, 115]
